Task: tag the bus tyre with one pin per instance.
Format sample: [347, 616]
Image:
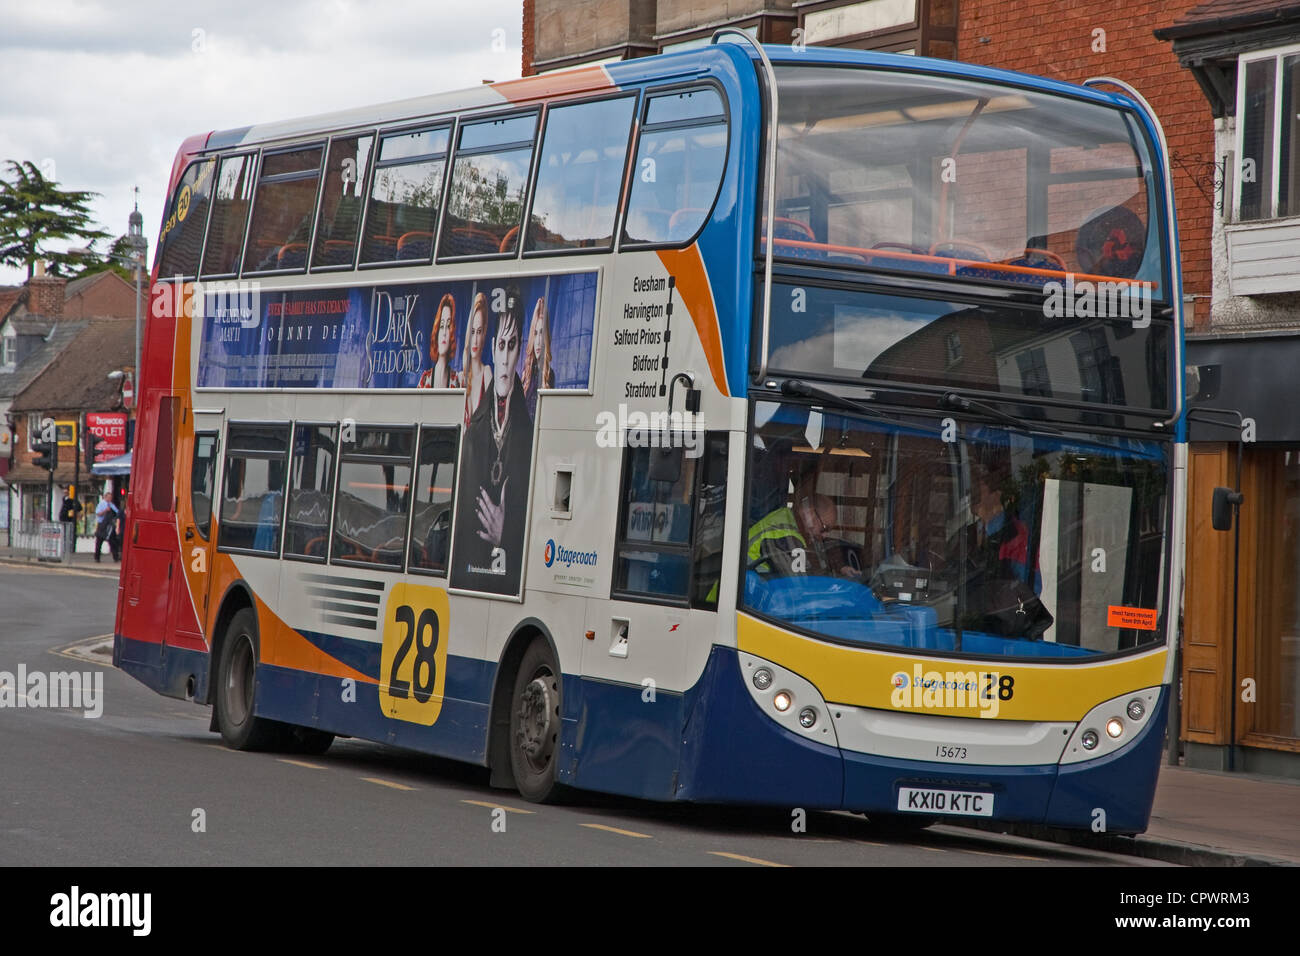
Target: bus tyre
[535, 724]
[236, 687]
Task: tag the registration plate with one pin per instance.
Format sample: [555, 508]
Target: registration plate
[960, 802]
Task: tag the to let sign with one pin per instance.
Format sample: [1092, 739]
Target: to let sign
[111, 427]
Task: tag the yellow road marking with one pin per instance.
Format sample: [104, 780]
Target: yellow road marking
[601, 826]
[303, 763]
[65, 650]
[746, 859]
[931, 849]
[387, 783]
[496, 806]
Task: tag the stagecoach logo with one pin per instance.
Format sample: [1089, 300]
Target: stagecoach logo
[559, 553]
[947, 690]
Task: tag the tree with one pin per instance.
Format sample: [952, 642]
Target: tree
[34, 212]
[112, 261]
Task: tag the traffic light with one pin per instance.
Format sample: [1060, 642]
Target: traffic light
[47, 455]
[92, 441]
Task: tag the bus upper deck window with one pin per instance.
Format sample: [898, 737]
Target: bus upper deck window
[584, 152]
[182, 235]
[283, 208]
[489, 181]
[402, 215]
[342, 201]
[680, 158]
[229, 216]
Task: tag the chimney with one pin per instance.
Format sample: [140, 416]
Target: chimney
[45, 294]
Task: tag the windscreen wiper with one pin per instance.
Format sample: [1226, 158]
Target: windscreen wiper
[956, 402]
[797, 388]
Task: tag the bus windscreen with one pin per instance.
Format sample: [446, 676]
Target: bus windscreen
[946, 176]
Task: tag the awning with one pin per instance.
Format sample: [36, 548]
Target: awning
[1255, 376]
[121, 465]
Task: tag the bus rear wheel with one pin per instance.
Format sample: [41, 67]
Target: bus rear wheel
[237, 686]
[535, 724]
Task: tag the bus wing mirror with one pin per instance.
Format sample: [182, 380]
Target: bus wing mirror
[666, 464]
[1225, 499]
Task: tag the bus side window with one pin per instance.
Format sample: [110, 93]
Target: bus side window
[182, 235]
[229, 216]
[680, 158]
[311, 491]
[489, 183]
[283, 208]
[406, 196]
[710, 513]
[374, 495]
[584, 152]
[435, 481]
[203, 476]
[252, 489]
[653, 545]
[342, 200]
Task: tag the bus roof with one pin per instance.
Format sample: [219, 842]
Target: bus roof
[601, 77]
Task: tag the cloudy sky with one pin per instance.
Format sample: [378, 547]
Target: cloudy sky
[100, 93]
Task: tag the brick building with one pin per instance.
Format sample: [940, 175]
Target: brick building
[1245, 55]
[41, 323]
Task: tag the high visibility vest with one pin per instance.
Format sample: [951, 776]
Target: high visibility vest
[774, 525]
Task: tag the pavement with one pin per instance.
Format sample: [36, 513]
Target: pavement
[81, 561]
[1200, 817]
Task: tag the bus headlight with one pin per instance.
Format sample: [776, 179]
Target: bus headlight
[787, 698]
[1111, 725]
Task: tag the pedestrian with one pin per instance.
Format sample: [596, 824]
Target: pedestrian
[106, 526]
[68, 513]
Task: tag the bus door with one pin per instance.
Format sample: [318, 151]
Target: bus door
[197, 529]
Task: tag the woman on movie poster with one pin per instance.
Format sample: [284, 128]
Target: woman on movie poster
[476, 375]
[495, 467]
[442, 346]
[539, 372]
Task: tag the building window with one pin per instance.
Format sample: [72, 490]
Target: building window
[9, 351]
[1268, 135]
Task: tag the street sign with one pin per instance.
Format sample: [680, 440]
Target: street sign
[66, 432]
[110, 427]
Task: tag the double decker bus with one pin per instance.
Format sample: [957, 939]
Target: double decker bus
[746, 424]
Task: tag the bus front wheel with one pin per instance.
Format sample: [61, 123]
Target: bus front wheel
[535, 723]
[237, 685]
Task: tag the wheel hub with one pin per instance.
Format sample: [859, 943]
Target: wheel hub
[536, 720]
